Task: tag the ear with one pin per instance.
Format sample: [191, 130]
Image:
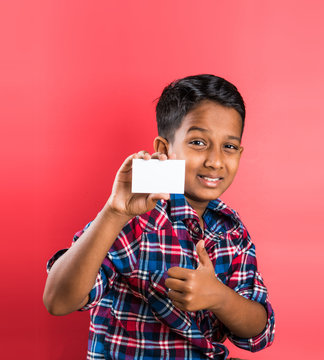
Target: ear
[161, 145]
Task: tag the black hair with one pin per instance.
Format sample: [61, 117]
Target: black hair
[183, 95]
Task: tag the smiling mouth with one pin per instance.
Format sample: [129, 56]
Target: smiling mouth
[210, 179]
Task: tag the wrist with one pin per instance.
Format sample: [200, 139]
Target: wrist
[109, 212]
[219, 296]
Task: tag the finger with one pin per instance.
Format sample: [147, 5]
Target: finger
[203, 256]
[204, 259]
[178, 305]
[172, 156]
[143, 154]
[179, 273]
[157, 197]
[128, 162]
[175, 295]
[163, 157]
[159, 156]
[175, 284]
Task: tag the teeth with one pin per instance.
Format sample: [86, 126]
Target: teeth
[210, 179]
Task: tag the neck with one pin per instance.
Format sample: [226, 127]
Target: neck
[200, 208]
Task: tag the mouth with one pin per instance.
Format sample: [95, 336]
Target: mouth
[210, 178]
[210, 181]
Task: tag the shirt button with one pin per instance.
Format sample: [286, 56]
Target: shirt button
[220, 233]
[196, 229]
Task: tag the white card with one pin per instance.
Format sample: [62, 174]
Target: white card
[158, 176]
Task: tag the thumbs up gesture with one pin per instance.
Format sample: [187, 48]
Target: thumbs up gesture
[193, 290]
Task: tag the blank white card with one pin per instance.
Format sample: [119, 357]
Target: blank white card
[158, 176]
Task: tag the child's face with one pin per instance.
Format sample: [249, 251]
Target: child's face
[209, 139]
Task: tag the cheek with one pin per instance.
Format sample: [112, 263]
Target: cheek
[193, 163]
[189, 169]
[233, 165]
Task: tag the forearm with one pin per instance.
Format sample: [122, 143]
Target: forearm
[244, 318]
[73, 275]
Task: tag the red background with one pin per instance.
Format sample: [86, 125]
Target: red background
[77, 84]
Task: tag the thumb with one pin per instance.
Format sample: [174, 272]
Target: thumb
[161, 196]
[203, 256]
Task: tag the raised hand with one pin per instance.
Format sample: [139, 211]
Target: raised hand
[193, 290]
[74, 273]
[122, 201]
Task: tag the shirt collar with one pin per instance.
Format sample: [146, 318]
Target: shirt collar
[180, 208]
[219, 206]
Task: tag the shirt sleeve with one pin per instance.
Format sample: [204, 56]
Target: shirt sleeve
[121, 259]
[247, 281]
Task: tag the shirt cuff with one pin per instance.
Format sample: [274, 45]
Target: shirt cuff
[261, 341]
[52, 260]
[96, 292]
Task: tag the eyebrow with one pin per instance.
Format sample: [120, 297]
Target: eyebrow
[193, 128]
[230, 137]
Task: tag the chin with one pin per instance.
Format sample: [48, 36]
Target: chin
[204, 197]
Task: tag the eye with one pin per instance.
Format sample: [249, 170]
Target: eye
[231, 147]
[197, 142]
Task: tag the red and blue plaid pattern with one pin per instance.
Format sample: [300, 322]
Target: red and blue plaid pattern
[131, 314]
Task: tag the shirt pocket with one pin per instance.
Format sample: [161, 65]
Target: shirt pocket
[161, 250]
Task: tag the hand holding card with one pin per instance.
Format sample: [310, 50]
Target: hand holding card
[155, 176]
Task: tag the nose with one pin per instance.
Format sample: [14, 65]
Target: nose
[214, 159]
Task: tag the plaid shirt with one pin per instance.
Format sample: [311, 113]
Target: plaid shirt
[131, 314]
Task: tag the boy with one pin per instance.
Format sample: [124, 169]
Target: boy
[168, 276]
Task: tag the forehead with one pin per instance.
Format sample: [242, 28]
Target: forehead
[213, 117]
